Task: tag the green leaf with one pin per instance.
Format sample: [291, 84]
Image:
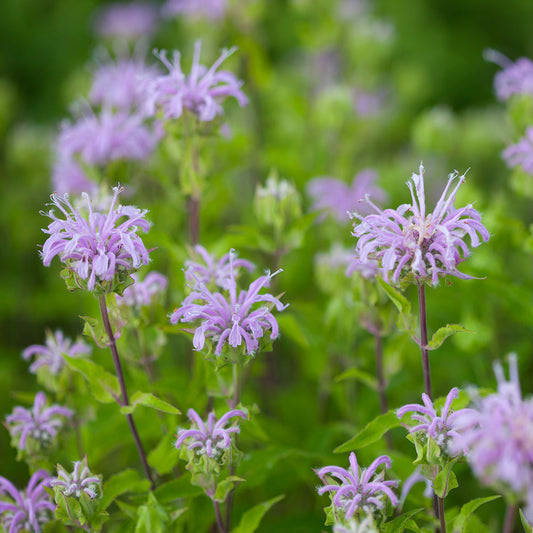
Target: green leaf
[443, 333]
[251, 519]
[148, 400]
[360, 375]
[225, 486]
[371, 433]
[525, 524]
[291, 328]
[177, 488]
[398, 525]
[152, 517]
[95, 329]
[397, 298]
[125, 481]
[445, 480]
[164, 457]
[104, 386]
[459, 524]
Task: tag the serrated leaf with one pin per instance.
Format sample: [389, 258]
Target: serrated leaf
[104, 386]
[445, 480]
[251, 519]
[443, 333]
[147, 399]
[360, 375]
[525, 524]
[225, 486]
[125, 481]
[177, 488]
[459, 524]
[398, 525]
[371, 433]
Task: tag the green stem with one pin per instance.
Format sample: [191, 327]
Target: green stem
[120, 376]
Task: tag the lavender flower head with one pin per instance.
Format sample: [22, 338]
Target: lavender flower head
[339, 198]
[408, 243]
[108, 136]
[39, 423]
[499, 436]
[127, 20]
[80, 481]
[69, 177]
[201, 92]
[357, 492]
[51, 354]
[209, 9]
[97, 247]
[26, 510]
[515, 78]
[142, 293]
[521, 153]
[443, 429]
[230, 320]
[122, 84]
[212, 437]
[213, 272]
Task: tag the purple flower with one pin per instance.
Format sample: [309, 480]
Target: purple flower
[409, 242]
[126, 20]
[51, 354]
[69, 177]
[339, 198]
[39, 423]
[443, 429]
[521, 153]
[142, 293]
[515, 78]
[109, 136]
[213, 271]
[201, 92]
[368, 103]
[210, 438]
[98, 246]
[26, 510]
[499, 436]
[122, 84]
[355, 492]
[80, 481]
[232, 320]
[209, 9]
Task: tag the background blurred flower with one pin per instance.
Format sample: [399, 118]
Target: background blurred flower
[201, 92]
[209, 9]
[515, 78]
[51, 354]
[521, 153]
[143, 292]
[39, 423]
[126, 20]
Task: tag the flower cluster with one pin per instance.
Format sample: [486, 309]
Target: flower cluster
[143, 292]
[444, 429]
[212, 437]
[129, 20]
[201, 92]
[96, 247]
[339, 198]
[521, 153]
[515, 78]
[500, 439]
[357, 492]
[230, 321]
[209, 9]
[212, 271]
[80, 481]
[39, 423]
[408, 242]
[26, 510]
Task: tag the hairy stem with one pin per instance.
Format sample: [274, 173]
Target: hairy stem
[510, 515]
[424, 339]
[120, 376]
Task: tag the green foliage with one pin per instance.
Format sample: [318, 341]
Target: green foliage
[251, 519]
